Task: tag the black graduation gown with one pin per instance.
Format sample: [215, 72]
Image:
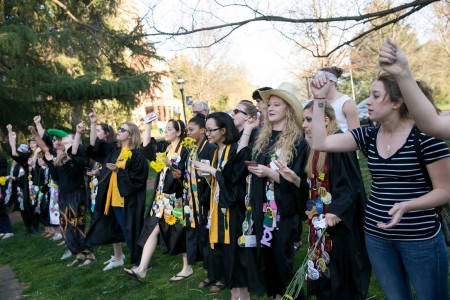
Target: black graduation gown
[173, 237]
[132, 186]
[239, 270]
[197, 241]
[349, 263]
[5, 223]
[277, 262]
[29, 215]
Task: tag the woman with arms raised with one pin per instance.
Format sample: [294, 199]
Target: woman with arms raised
[402, 231]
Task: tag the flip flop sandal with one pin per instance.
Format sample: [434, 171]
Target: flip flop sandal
[177, 278]
[205, 283]
[78, 260]
[88, 261]
[134, 276]
[217, 287]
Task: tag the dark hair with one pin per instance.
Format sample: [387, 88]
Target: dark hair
[250, 108]
[256, 95]
[393, 91]
[224, 120]
[179, 125]
[199, 119]
[334, 70]
[108, 130]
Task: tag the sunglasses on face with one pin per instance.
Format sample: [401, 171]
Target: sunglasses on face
[236, 111]
[121, 129]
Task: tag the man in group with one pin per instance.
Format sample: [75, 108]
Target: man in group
[200, 107]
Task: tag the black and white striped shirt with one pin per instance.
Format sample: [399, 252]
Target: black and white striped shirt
[400, 178]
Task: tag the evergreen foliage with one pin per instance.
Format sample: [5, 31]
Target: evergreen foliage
[58, 57]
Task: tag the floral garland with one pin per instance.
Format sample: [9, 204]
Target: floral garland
[166, 206]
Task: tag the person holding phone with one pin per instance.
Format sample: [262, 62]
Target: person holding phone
[275, 202]
[227, 210]
[164, 216]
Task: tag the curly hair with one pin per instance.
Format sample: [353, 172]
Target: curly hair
[286, 141]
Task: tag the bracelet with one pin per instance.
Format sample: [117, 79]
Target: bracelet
[246, 134]
[319, 98]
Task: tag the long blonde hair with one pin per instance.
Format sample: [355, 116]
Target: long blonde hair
[286, 141]
[332, 127]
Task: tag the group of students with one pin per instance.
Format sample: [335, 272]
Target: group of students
[233, 190]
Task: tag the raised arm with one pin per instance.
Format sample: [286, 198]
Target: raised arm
[12, 140]
[93, 135]
[148, 128]
[37, 121]
[394, 61]
[76, 140]
[250, 124]
[320, 140]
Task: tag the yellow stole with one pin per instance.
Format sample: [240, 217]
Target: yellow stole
[113, 197]
[214, 205]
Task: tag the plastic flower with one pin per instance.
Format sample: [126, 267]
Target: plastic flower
[321, 176]
[171, 220]
[189, 143]
[157, 165]
[2, 180]
[126, 153]
[161, 156]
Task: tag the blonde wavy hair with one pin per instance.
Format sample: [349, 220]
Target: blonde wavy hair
[332, 127]
[286, 140]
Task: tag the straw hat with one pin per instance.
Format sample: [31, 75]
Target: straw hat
[288, 93]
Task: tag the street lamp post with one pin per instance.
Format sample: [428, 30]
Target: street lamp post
[180, 82]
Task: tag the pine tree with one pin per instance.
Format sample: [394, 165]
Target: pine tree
[57, 58]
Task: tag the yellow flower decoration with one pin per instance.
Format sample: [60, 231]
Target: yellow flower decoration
[91, 185]
[321, 176]
[161, 156]
[189, 143]
[157, 165]
[2, 180]
[126, 153]
[171, 220]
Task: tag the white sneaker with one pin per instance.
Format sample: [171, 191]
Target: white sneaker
[112, 259]
[113, 264]
[57, 237]
[7, 235]
[66, 255]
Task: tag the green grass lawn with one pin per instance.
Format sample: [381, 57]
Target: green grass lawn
[36, 262]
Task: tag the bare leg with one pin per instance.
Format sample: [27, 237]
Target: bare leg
[117, 251]
[185, 272]
[244, 294]
[235, 293]
[147, 253]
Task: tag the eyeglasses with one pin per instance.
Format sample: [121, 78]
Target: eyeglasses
[236, 111]
[208, 131]
[197, 112]
[121, 129]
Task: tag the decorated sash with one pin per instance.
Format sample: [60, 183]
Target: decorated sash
[247, 239]
[213, 220]
[53, 205]
[167, 205]
[317, 206]
[190, 191]
[270, 208]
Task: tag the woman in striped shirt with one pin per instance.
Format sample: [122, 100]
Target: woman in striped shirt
[410, 174]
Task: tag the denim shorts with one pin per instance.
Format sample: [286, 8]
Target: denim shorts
[398, 264]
